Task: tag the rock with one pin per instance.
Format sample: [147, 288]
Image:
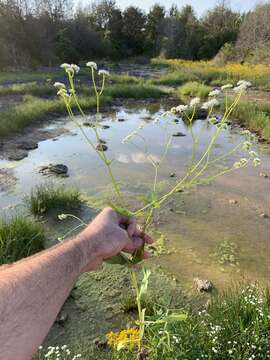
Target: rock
[88, 124]
[201, 114]
[101, 343]
[27, 145]
[147, 118]
[57, 169]
[178, 134]
[142, 355]
[18, 155]
[203, 285]
[61, 319]
[172, 175]
[121, 119]
[101, 147]
[104, 127]
[233, 201]
[264, 216]
[264, 175]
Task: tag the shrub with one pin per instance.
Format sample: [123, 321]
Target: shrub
[47, 197]
[19, 237]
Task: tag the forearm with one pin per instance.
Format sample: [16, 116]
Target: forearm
[33, 291]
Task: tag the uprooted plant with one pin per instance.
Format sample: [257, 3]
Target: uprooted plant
[201, 168]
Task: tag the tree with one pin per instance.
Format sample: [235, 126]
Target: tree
[154, 25]
[220, 25]
[134, 22]
[253, 42]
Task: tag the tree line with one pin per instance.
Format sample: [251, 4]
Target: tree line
[46, 32]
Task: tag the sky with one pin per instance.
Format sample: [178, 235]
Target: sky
[200, 6]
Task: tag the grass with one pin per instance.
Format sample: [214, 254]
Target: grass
[208, 71]
[194, 88]
[32, 88]
[124, 79]
[19, 237]
[26, 76]
[45, 198]
[234, 325]
[134, 91]
[33, 109]
[253, 116]
[173, 78]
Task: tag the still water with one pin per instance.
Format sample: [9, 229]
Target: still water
[201, 225]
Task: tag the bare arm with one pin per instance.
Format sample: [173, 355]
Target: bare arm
[33, 290]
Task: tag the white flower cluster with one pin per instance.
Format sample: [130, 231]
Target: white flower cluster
[57, 352]
[210, 104]
[92, 65]
[103, 73]
[215, 92]
[70, 68]
[180, 109]
[242, 85]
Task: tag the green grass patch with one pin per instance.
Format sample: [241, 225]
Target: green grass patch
[32, 88]
[26, 76]
[137, 91]
[34, 109]
[194, 88]
[124, 79]
[173, 78]
[45, 198]
[253, 116]
[19, 237]
[234, 326]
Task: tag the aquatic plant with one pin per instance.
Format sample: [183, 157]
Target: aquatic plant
[19, 237]
[46, 197]
[201, 168]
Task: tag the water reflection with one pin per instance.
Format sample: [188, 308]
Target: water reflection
[198, 221]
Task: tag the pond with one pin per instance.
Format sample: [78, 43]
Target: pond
[203, 226]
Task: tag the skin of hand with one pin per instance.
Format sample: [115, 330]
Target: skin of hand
[113, 233]
[33, 290]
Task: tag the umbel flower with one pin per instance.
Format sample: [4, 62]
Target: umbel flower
[104, 73]
[211, 103]
[215, 92]
[59, 85]
[71, 68]
[195, 101]
[92, 65]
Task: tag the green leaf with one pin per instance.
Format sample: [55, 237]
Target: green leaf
[120, 259]
[121, 210]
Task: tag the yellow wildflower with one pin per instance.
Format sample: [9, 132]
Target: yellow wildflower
[126, 339]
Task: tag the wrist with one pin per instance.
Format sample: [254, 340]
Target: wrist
[87, 242]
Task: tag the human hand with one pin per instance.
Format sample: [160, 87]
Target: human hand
[110, 233]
